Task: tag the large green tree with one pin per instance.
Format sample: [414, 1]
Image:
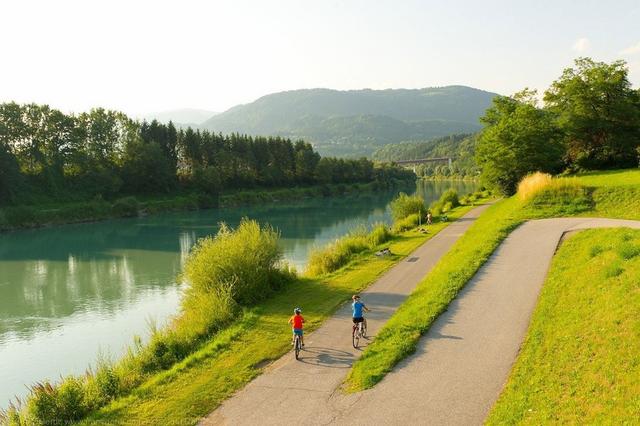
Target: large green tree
[598, 112]
[518, 138]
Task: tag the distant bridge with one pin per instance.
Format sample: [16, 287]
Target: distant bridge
[423, 161]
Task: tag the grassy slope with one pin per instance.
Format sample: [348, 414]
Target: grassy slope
[581, 365]
[200, 383]
[398, 339]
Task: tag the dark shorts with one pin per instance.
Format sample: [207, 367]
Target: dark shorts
[357, 320]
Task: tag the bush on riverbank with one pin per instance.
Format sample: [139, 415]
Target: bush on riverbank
[407, 223]
[405, 205]
[338, 253]
[448, 201]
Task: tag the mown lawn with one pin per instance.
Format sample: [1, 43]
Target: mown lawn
[616, 196]
[580, 362]
[197, 385]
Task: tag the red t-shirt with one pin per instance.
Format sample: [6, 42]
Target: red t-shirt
[297, 320]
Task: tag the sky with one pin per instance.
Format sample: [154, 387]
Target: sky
[142, 56]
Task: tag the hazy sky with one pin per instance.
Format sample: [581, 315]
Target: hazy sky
[146, 56]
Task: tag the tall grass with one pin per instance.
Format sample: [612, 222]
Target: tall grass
[448, 201]
[557, 196]
[405, 205]
[533, 184]
[338, 253]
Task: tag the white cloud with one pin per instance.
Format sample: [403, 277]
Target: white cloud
[631, 50]
[582, 45]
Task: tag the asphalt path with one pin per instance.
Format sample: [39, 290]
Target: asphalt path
[461, 364]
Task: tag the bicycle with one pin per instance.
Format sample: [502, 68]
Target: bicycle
[359, 331]
[297, 346]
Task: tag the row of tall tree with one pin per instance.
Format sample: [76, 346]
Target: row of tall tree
[47, 154]
[590, 119]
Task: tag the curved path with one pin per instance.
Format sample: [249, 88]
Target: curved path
[460, 366]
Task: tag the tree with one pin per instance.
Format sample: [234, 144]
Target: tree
[145, 168]
[598, 112]
[518, 139]
[10, 178]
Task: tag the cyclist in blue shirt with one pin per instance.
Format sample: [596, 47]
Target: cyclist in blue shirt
[357, 307]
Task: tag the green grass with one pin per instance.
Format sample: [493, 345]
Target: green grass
[198, 384]
[611, 178]
[399, 337]
[579, 363]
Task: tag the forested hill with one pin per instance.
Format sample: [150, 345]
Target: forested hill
[357, 122]
[460, 147]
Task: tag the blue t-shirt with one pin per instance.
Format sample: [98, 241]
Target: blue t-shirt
[356, 307]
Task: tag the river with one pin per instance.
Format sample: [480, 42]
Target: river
[72, 293]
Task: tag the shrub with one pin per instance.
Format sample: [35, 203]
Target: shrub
[532, 184]
[126, 207]
[245, 260]
[379, 234]
[408, 222]
[20, 216]
[561, 196]
[337, 254]
[450, 196]
[448, 200]
[65, 403]
[206, 201]
[405, 205]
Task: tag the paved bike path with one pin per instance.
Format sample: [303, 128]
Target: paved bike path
[463, 362]
[303, 391]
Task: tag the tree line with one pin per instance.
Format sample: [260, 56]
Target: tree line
[589, 120]
[47, 154]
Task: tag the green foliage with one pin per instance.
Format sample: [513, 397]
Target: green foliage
[64, 403]
[380, 233]
[518, 139]
[407, 223]
[448, 201]
[126, 207]
[599, 114]
[405, 205]
[244, 262]
[337, 254]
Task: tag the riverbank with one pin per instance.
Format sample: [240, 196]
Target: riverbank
[35, 216]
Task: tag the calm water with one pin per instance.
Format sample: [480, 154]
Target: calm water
[69, 293]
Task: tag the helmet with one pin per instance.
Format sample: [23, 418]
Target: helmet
[355, 297]
[297, 310]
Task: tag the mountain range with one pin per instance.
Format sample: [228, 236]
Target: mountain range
[357, 122]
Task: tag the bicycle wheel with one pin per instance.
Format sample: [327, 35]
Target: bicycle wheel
[355, 336]
[297, 346]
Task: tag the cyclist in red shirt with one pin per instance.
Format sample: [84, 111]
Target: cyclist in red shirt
[296, 322]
